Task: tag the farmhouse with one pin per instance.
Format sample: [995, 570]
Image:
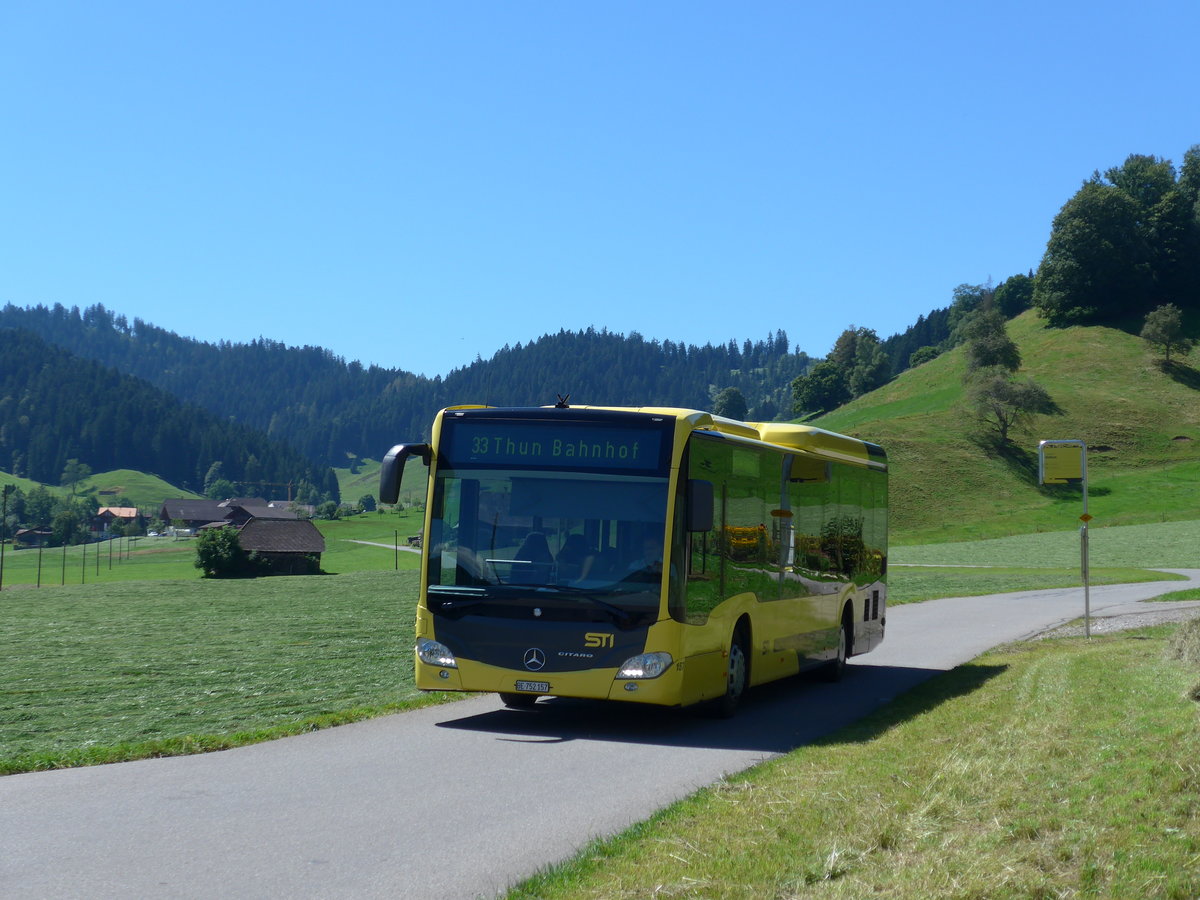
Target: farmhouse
[289, 547]
[195, 514]
[107, 515]
[191, 514]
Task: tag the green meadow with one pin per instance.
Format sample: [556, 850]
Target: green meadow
[103, 673]
[1059, 768]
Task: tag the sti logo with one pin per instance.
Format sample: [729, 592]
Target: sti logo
[597, 639]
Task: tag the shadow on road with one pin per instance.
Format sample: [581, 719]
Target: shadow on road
[774, 718]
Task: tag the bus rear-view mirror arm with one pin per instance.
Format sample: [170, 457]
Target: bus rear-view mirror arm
[392, 469]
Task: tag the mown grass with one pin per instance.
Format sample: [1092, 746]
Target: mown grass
[1180, 596]
[353, 544]
[1168, 544]
[1051, 769]
[106, 562]
[911, 584]
[101, 673]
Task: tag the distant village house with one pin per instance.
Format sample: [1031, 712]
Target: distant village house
[106, 516]
[286, 543]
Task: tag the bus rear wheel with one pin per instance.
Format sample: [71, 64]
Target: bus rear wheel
[518, 701]
[836, 667]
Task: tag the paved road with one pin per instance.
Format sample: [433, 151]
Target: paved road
[460, 800]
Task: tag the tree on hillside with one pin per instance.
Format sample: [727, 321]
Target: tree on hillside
[1001, 402]
[987, 344]
[1126, 242]
[1164, 332]
[930, 330]
[968, 298]
[220, 489]
[75, 472]
[730, 403]
[1014, 295]
[215, 472]
[67, 527]
[39, 506]
[1095, 263]
[922, 355]
[871, 368]
[822, 389]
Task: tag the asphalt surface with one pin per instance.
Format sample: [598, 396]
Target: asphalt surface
[461, 800]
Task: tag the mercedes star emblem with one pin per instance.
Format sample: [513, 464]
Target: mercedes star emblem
[534, 659]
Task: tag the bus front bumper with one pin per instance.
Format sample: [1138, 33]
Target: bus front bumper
[592, 684]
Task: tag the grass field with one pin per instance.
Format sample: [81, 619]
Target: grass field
[911, 584]
[146, 491]
[99, 673]
[1053, 769]
[354, 485]
[1169, 545]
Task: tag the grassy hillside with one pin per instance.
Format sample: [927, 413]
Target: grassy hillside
[366, 481]
[146, 491]
[353, 485]
[1142, 427]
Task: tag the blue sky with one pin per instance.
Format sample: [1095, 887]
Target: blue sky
[413, 185]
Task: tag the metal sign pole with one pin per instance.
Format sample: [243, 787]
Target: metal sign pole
[1083, 553]
[1062, 468]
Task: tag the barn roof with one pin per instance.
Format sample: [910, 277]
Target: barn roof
[281, 536]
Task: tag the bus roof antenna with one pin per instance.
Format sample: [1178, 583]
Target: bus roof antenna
[563, 402]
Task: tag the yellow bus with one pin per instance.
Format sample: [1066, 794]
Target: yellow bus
[650, 555]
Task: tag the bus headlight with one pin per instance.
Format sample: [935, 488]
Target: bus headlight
[646, 665]
[434, 654]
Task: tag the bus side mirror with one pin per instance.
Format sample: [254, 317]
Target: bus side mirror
[699, 505]
[392, 469]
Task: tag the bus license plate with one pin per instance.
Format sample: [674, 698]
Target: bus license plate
[534, 687]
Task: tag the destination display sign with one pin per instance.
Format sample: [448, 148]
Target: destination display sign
[552, 445]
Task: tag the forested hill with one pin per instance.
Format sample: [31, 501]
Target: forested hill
[330, 410]
[56, 407]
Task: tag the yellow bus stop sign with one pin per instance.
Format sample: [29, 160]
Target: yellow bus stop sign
[1061, 462]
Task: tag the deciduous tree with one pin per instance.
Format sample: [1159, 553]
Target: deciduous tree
[1001, 402]
[218, 553]
[75, 472]
[987, 344]
[1164, 332]
[822, 389]
[730, 403]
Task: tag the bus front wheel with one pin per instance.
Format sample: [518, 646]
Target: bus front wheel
[737, 677]
[518, 701]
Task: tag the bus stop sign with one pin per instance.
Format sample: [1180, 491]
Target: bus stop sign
[1060, 462]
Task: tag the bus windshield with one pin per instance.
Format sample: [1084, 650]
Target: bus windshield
[564, 530]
